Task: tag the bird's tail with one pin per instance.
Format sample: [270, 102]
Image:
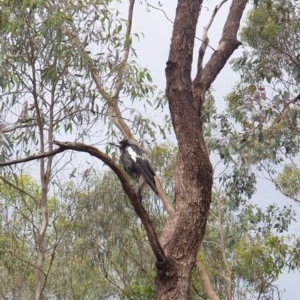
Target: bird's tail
[161, 193]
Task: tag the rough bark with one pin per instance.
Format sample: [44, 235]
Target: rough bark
[182, 235]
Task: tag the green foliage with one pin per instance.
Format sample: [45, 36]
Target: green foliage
[97, 247]
[61, 64]
[264, 258]
[289, 181]
[263, 20]
[259, 129]
[268, 28]
[20, 216]
[50, 51]
[244, 247]
[97, 241]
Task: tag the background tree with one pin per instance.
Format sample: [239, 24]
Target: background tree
[265, 103]
[258, 133]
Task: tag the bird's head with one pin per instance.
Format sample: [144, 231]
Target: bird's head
[115, 145]
[125, 143]
[122, 144]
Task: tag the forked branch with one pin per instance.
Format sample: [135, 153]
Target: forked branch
[205, 39]
[227, 45]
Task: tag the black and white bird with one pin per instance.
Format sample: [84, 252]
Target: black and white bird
[136, 164]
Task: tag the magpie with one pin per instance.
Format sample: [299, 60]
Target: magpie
[137, 165]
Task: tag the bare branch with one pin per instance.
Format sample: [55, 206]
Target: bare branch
[166, 16]
[159, 9]
[6, 129]
[114, 111]
[31, 157]
[121, 69]
[134, 199]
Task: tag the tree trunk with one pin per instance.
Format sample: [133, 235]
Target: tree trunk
[182, 235]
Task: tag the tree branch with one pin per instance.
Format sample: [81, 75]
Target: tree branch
[227, 45]
[6, 129]
[286, 107]
[129, 191]
[208, 290]
[111, 98]
[205, 40]
[114, 111]
[31, 157]
[21, 191]
[169, 208]
[167, 18]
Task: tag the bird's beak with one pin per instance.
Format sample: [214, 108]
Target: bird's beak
[113, 144]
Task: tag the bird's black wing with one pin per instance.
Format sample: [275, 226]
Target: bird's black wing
[143, 165]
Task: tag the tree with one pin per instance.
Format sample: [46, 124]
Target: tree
[193, 173]
[52, 42]
[258, 132]
[49, 89]
[265, 103]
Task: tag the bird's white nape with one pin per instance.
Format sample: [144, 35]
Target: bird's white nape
[132, 153]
